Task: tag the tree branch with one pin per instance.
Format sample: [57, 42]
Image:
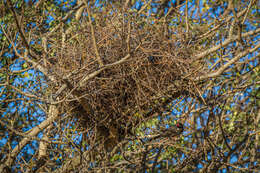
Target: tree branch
[33, 132]
[224, 67]
[225, 43]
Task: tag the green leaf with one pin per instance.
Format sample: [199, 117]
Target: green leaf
[25, 65]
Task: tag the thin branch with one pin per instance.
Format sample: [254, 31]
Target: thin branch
[205, 35]
[144, 7]
[144, 159]
[232, 61]
[93, 36]
[156, 158]
[187, 19]
[10, 5]
[25, 134]
[92, 75]
[247, 10]
[33, 132]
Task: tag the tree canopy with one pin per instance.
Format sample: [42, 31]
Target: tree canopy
[129, 86]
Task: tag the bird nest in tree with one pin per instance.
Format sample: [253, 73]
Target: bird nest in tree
[156, 61]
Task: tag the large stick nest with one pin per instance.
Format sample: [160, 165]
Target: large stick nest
[160, 60]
